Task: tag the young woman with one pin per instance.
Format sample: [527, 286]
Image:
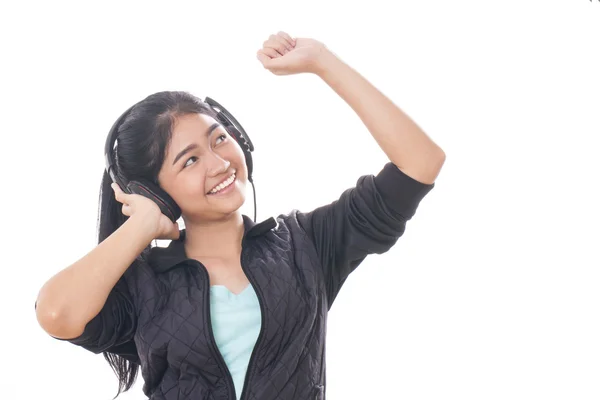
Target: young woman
[231, 308]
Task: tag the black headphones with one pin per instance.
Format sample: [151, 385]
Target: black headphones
[152, 191]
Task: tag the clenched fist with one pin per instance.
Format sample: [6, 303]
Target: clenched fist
[283, 55]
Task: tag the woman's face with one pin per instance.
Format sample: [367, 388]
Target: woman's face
[204, 169]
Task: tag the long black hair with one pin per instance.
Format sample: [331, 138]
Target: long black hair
[142, 141]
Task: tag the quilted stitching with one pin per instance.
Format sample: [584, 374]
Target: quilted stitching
[173, 338]
[297, 265]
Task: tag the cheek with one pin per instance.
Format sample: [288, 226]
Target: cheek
[195, 183]
[191, 187]
[238, 155]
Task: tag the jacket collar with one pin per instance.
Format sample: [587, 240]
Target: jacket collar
[162, 259]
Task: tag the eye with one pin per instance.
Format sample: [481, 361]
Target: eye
[186, 163]
[222, 136]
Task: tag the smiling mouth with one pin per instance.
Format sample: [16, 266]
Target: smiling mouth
[223, 185]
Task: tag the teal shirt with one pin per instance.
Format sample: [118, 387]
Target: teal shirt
[236, 321]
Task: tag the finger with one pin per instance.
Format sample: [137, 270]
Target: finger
[288, 38]
[280, 39]
[272, 53]
[269, 44]
[267, 60]
[119, 195]
[273, 64]
[262, 57]
[275, 44]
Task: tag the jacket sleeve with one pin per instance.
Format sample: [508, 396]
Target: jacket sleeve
[113, 328]
[366, 219]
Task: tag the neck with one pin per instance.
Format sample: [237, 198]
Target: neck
[216, 239]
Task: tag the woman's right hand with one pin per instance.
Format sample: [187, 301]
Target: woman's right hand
[142, 207]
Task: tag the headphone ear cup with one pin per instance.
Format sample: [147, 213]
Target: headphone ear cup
[153, 192]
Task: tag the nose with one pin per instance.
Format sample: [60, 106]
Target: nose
[216, 165]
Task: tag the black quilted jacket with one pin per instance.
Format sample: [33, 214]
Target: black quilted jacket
[158, 314]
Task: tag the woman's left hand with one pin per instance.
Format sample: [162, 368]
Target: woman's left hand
[283, 55]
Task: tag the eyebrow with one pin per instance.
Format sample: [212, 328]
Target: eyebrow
[192, 146]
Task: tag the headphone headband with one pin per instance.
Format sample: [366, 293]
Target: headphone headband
[109, 158]
[231, 119]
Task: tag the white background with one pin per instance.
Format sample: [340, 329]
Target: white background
[494, 290]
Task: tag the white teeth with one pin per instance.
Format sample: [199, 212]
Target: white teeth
[223, 185]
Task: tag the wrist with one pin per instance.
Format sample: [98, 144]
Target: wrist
[326, 62]
[145, 226]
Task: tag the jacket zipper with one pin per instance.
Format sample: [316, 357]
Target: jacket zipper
[213, 342]
[250, 369]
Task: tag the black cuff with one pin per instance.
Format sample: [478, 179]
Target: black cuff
[400, 192]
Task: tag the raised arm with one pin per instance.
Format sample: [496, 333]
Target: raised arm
[405, 144]
[75, 295]
[370, 217]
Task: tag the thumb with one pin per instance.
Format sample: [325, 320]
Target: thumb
[268, 62]
[120, 196]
